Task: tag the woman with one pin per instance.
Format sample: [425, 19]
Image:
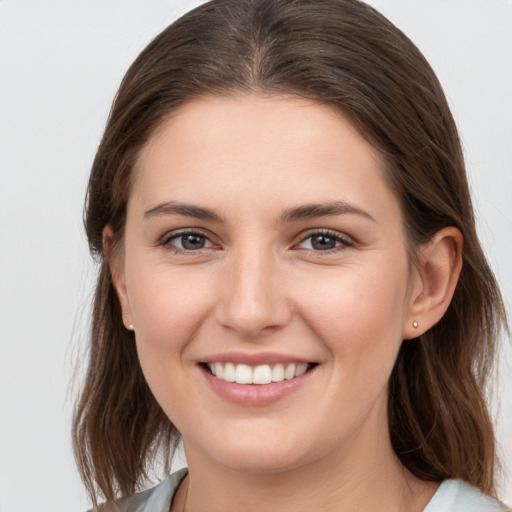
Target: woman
[291, 280]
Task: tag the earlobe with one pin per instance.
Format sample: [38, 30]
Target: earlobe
[117, 272]
[435, 282]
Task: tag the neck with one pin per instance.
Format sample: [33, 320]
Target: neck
[367, 477]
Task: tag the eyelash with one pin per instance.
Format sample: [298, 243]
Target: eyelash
[169, 237]
[337, 237]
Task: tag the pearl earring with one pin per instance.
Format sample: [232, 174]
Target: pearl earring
[131, 328]
[414, 324]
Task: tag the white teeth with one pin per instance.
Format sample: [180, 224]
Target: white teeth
[289, 373]
[261, 374]
[278, 373]
[243, 374]
[301, 370]
[219, 370]
[229, 372]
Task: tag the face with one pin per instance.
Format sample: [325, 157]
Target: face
[264, 245]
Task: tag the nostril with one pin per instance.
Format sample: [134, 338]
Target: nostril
[253, 320]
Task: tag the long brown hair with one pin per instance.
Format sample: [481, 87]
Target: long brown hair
[345, 54]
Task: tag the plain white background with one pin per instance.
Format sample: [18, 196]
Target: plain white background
[60, 65]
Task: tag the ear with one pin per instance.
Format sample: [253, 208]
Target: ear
[116, 266]
[434, 281]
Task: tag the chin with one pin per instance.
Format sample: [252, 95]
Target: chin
[257, 461]
[256, 451]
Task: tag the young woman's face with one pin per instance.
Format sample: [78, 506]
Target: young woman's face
[262, 241]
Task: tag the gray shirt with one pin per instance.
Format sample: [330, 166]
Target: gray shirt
[452, 496]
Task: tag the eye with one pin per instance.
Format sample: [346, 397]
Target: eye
[186, 241]
[324, 241]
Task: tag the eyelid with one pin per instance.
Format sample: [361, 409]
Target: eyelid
[165, 240]
[343, 239]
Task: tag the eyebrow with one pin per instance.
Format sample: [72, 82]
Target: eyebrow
[299, 213]
[188, 210]
[312, 211]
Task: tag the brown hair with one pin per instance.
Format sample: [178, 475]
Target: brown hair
[345, 54]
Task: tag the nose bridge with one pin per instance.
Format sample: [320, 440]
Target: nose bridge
[254, 299]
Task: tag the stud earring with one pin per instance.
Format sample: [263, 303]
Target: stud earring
[131, 328]
[414, 324]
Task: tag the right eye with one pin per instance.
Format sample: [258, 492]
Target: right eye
[187, 241]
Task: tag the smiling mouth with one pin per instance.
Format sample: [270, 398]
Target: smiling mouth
[261, 374]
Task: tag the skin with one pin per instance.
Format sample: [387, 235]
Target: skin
[259, 284]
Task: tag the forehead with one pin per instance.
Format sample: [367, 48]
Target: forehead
[245, 120]
[280, 149]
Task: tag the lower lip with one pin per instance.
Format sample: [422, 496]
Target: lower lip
[255, 395]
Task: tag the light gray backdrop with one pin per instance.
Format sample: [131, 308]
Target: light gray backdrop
[61, 62]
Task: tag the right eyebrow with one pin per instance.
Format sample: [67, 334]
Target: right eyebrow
[188, 210]
[315, 210]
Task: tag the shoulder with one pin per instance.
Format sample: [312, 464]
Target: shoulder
[156, 499]
[459, 496]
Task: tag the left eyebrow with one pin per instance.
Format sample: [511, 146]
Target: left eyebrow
[312, 211]
[187, 210]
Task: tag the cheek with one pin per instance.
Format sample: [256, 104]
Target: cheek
[169, 305]
[358, 312]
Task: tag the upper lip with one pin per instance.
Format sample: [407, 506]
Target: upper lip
[254, 359]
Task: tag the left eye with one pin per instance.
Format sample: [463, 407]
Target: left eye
[188, 241]
[323, 242]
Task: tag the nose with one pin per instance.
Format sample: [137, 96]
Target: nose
[253, 301]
